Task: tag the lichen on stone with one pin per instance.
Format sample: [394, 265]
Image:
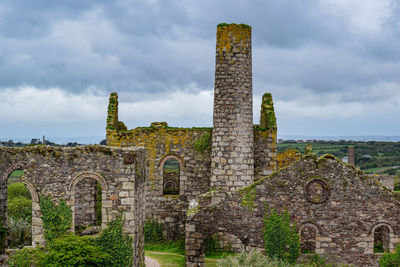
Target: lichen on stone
[267, 117]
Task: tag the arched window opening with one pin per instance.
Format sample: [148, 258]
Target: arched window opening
[308, 236]
[171, 171]
[222, 242]
[88, 197]
[19, 211]
[381, 239]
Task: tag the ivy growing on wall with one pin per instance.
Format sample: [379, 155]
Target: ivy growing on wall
[56, 219]
[203, 143]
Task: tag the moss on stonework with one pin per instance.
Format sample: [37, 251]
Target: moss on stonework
[229, 24]
[267, 117]
[112, 117]
[203, 143]
[248, 197]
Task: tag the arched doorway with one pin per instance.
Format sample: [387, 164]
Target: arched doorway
[18, 211]
[381, 239]
[87, 191]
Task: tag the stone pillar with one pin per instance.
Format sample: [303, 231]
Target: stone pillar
[351, 156]
[232, 140]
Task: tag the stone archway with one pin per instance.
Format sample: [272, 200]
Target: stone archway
[72, 189]
[382, 237]
[37, 224]
[309, 237]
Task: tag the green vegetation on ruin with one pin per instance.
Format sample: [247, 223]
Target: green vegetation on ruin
[203, 143]
[229, 24]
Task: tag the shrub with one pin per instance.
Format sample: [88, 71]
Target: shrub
[20, 208]
[27, 257]
[18, 190]
[56, 218]
[390, 259]
[281, 240]
[74, 250]
[251, 259]
[153, 231]
[113, 241]
[20, 232]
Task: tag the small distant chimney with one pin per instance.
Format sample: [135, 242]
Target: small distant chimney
[351, 156]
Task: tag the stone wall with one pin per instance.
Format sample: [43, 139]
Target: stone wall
[85, 202]
[58, 171]
[162, 143]
[341, 203]
[232, 158]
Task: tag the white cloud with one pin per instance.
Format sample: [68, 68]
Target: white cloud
[364, 16]
[29, 104]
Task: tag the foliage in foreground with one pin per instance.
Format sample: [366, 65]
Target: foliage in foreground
[113, 241]
[111, 248]
[282, 242]
[256, 259]
[20, 232]
[390, 259]
[56, 219]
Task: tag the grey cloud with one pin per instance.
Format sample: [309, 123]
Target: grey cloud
[144, 49]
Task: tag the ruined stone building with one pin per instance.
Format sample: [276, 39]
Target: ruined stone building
[226, 176]
[221, 181]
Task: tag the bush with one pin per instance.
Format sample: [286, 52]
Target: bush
[20, 232]
[26, 257]
[281, 240]
[20, 208]
[111, 248]
[113, 241]
[153, 231]
[252, 259]
[390, 259]
[18, 190]
[56, 218]
[74, 250]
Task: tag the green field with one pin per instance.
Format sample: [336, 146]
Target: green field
[372, 157]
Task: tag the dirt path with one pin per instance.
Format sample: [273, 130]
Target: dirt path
[151, 262]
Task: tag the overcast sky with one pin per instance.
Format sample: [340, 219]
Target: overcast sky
[333, 66]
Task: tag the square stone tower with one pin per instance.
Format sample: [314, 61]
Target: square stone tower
[232, 163]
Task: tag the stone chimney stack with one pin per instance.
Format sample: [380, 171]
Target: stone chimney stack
[232, 164]
[350, 156]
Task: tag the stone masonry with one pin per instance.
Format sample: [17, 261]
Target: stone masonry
[344, 208]
[232, 156]
[58, 172]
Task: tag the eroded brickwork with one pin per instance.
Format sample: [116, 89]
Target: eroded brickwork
[344, 217]
[59, 172]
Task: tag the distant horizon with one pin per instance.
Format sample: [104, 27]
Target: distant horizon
[97, 139]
